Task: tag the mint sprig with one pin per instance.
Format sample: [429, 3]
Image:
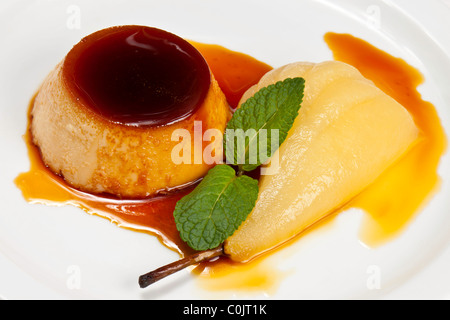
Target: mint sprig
[222, 201]
[216, 207]
[273, 107]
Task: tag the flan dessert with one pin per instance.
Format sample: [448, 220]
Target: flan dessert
[104, 118]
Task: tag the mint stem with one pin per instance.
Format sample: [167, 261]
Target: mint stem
[151, 277]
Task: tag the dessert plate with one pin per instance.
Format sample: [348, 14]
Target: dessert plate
[62, 253]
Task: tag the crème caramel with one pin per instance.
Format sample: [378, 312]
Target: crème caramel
[104, 117]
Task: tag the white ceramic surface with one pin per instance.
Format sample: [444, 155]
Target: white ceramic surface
[43, 248]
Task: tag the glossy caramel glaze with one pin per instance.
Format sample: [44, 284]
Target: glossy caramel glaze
[235, 72]
[137, 75]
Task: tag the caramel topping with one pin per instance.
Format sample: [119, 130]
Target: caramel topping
[138, 76]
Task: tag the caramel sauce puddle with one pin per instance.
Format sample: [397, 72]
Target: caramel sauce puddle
[391, 201]
[405, 188]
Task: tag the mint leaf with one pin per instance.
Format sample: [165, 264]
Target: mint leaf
[249, 135]
[222, 201]
[216, 208]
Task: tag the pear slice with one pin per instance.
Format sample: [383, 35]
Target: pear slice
[347, 133]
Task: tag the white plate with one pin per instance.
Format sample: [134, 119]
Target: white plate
[43, 249]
